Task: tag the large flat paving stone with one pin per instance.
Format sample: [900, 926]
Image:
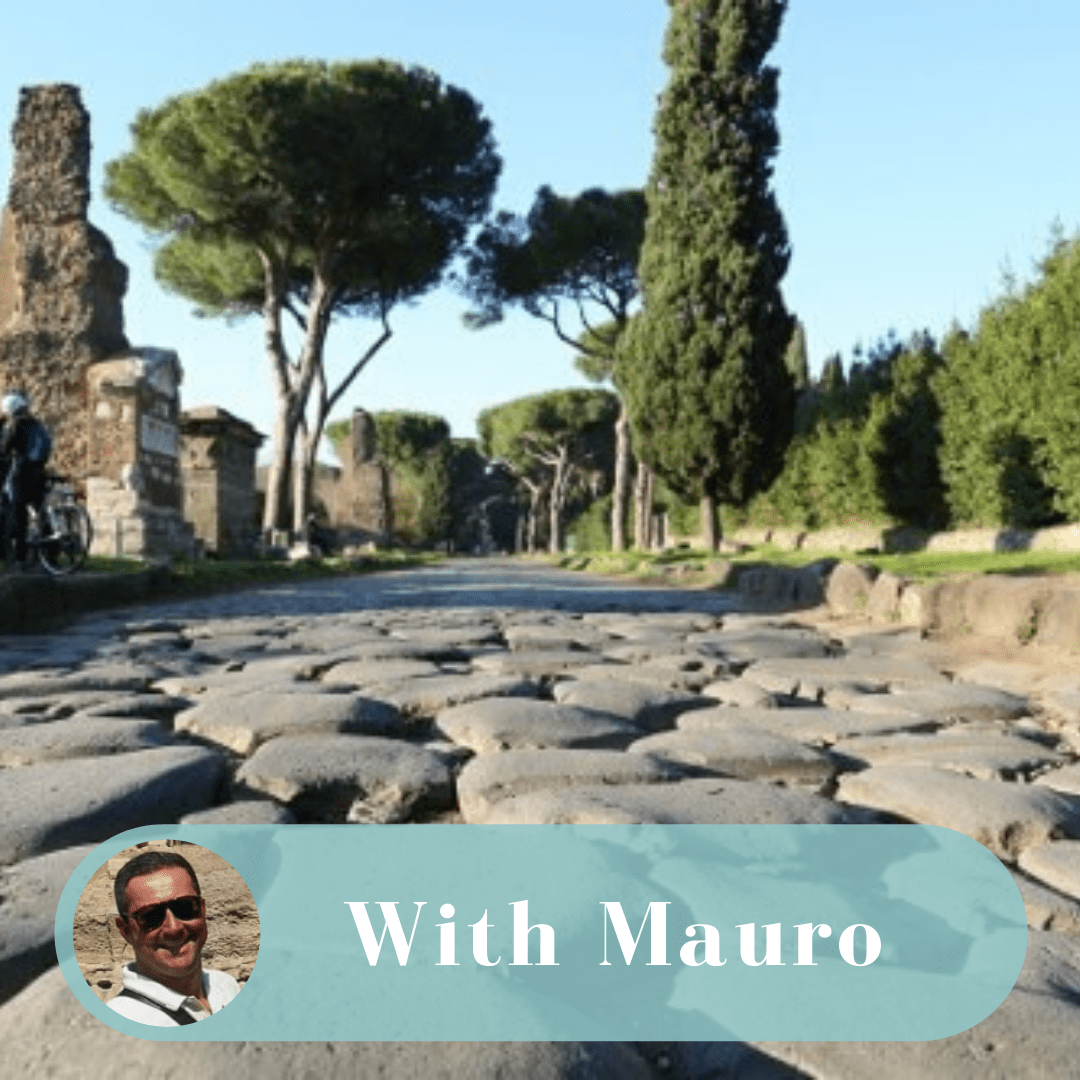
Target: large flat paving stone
[1046, 908]
[741, 692]
[811, 677]
[743, 752]
[48, 1035]
[687, 672]
[1006, 817]
[63, 803]
[807, 725]
[561, 636]
[755, 644]
[495, 724]
[427, 695]
[653, 708]
[334, 778]
[242, 812]
[1065, 779]
[1056, 864]
[957, 701]
[535, 663]
[29, 893]
[77, 737]
[1034, 1033]
[143, 706]
[703, 801]
[488, 778]
[985, 753]
[243, 722]
[116, 677]
[368, 672]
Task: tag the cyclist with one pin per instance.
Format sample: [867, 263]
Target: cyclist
[25, 446]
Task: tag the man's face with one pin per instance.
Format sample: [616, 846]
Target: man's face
[172, 951]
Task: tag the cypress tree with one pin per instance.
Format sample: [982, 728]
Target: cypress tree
[702, 367]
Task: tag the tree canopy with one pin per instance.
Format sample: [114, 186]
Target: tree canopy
[567, 252]
[702, 365]
[581, 253]
[552, 442]
[310, 189]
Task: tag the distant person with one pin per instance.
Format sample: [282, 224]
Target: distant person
[25, 447]
[163, 918]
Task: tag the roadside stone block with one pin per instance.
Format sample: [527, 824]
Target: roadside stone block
[883, 601]
[847, 589]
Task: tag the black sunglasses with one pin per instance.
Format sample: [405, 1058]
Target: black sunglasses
[185, 908]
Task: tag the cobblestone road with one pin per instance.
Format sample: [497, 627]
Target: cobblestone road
[494, 692]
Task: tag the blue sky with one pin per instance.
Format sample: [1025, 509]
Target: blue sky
[925, 147]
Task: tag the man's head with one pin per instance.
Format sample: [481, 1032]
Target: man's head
[162, 916]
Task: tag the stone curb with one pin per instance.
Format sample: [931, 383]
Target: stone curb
[35, 600]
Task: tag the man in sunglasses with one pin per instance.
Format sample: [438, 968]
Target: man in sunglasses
[163, 918]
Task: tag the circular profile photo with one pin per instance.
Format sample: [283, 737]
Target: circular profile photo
[166, 933]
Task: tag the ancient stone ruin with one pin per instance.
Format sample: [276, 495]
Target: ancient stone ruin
[61, 286]
[359, 496]
[114, 410]
[218, 465]
[134, 486]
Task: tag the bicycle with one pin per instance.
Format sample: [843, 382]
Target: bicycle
[67, 544]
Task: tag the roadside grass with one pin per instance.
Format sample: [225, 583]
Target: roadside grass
[694, 566]
[211, 575]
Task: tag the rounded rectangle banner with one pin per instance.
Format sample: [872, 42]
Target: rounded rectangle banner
[647, 933]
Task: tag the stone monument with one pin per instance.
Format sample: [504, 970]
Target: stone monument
[134, 489]
[218, 464]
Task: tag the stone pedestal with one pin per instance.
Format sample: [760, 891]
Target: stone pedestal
[218, 465]
[134, 489]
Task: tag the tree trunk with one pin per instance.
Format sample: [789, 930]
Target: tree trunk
[303, 477]
[710, 523]
[643, 501]
[620, 493]
[560, 484]
[279, 476]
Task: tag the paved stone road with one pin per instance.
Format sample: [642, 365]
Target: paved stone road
[487, 691]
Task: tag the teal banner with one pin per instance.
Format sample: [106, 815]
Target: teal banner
[625, 933]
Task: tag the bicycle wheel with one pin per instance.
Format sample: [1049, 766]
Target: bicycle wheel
[66, 550]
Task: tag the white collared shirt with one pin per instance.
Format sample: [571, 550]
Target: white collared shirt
[218, 987]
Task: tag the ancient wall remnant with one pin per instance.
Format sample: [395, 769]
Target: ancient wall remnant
[61, 286]
[359, 496]
[134, 490]
[218, 466]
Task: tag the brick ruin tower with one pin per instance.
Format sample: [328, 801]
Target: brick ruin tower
[61, 285]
